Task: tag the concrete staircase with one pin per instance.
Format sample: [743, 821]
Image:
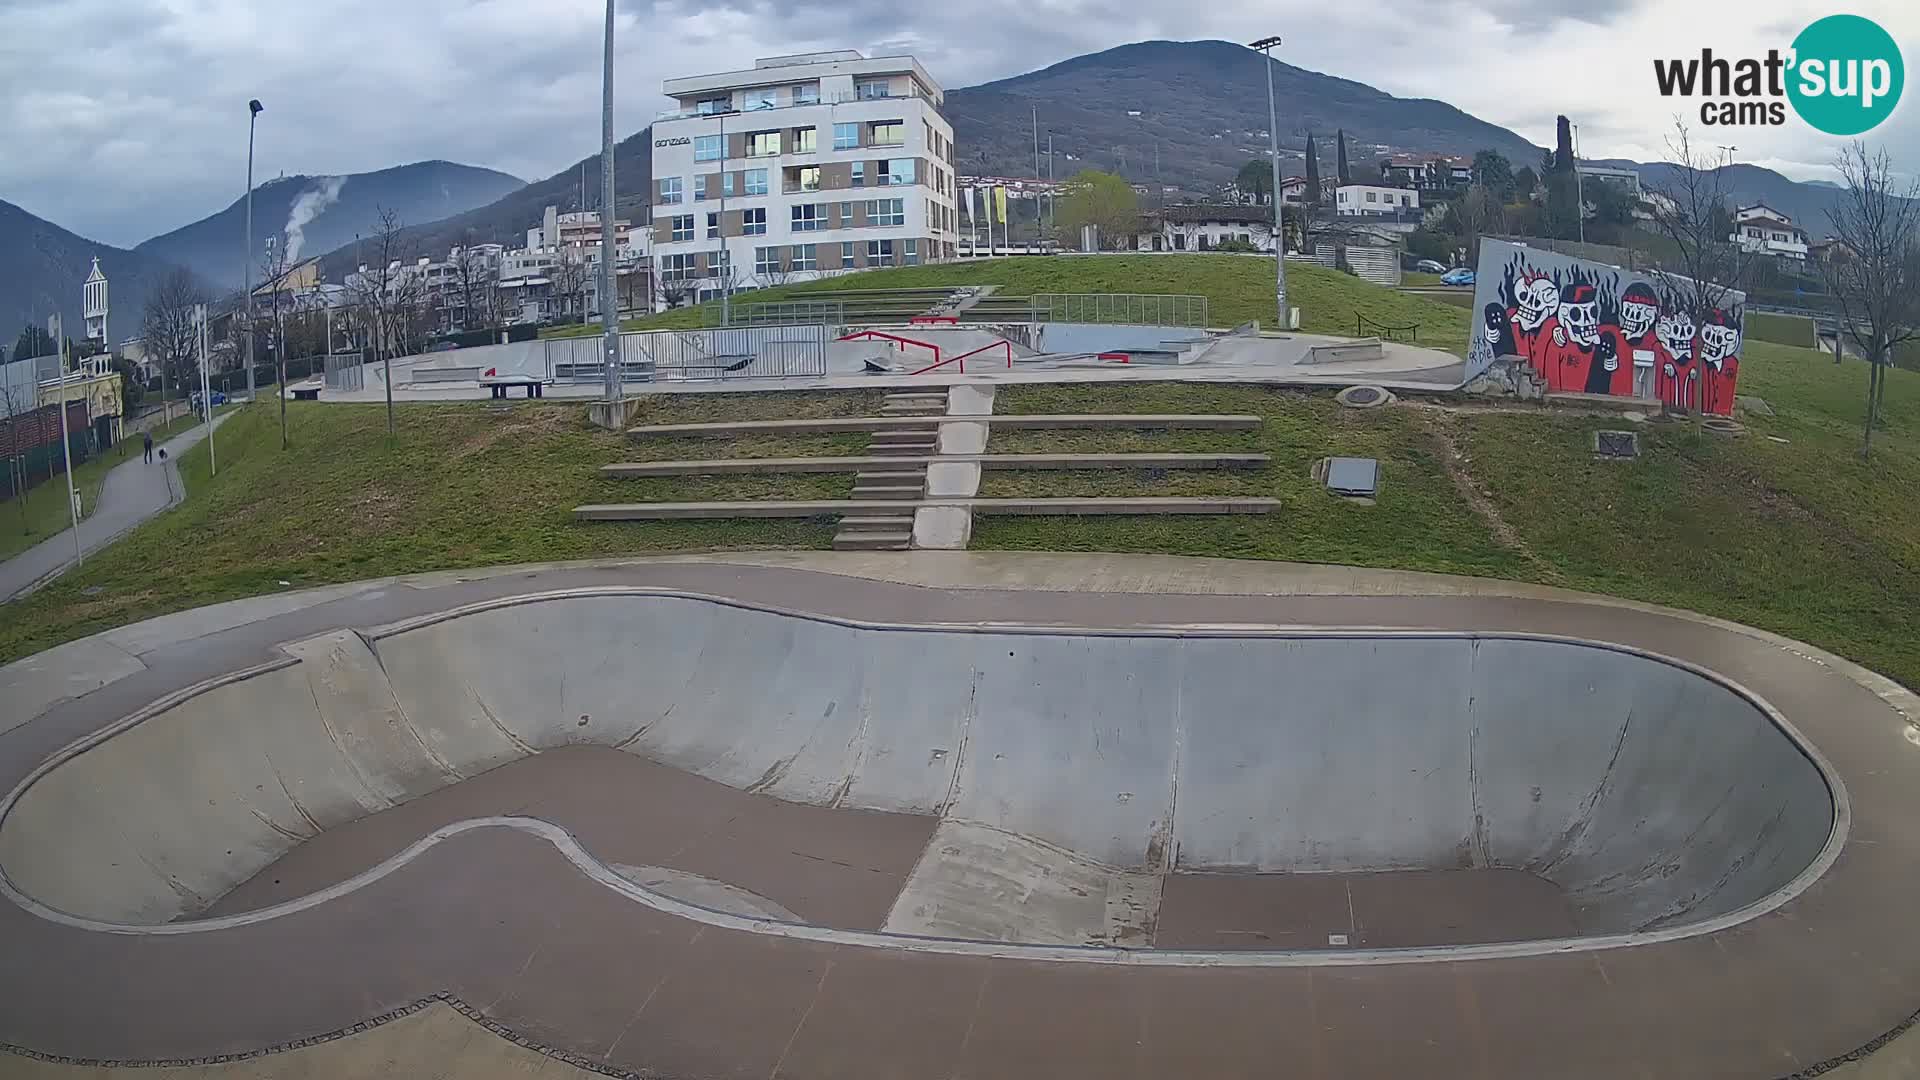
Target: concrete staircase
[905, 483]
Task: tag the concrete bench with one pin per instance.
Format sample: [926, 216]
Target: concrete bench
[501, 384]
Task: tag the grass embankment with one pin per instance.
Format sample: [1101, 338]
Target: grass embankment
[1237, 288]
[462, 485]
[45, 504]
[1799, 537]
[1795, 330]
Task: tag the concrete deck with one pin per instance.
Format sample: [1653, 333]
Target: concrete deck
[573, 957]
[1003, 462]
[776, 508]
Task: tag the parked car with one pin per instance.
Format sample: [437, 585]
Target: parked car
[1458, 276]
[1428, 266]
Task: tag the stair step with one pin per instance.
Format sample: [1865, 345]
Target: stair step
[902, 449]
[929, 432]
[890, 491]
[905, 476]
[917, 395]
[893, 541]
[876, 522]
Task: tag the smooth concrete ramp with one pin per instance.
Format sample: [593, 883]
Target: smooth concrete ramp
[1652, 795]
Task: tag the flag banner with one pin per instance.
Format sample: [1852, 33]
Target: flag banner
[1000, 205]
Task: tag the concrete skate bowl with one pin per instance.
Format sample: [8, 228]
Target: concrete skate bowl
[1658, 800]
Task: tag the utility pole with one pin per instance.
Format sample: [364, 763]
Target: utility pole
[726, 267]
[609, 306]
[1579, 186]
[1036, 166]
[1738, 244]
[254, 109]
[206, 388]
[1052, 221]
[1264, 47]
[66, 443]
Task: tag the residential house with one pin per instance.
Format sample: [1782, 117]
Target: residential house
[1760, 229]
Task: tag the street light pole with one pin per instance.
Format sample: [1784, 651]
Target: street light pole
[66, 443]
[1579, 185]
[1264, 47]
[254, 109]
[609, 304]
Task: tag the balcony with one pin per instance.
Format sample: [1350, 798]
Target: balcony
[761, 110]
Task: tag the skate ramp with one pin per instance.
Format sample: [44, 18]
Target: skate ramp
[1651, 794]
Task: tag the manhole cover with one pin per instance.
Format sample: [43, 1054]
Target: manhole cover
[1363, 395]
[1616, 444]
[1353, 476]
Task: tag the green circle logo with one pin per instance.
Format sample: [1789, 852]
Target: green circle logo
[1846, 76]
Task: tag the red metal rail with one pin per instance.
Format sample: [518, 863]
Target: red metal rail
[962, 358]
[869, 335]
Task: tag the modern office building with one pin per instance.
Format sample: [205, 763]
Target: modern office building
[805, 166]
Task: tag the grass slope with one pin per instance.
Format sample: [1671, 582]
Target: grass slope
[45, 505]
[1237, 288]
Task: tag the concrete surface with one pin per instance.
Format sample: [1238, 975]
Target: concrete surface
[725, 466]
[132, 493]
[561, 958]
[1024, 421]
[807, 508]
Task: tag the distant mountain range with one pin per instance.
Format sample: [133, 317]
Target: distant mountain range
[1806, 202]
[315, 214]
[42, 266]
[1200, 109]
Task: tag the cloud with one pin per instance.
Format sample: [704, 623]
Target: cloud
[126, 118]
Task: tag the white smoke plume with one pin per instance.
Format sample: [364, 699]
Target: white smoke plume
[324, 193]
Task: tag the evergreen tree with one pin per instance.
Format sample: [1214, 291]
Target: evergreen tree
[1345, 174]
[1313, 173]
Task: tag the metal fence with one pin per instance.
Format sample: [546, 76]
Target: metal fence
[781, 313]
[1137, 309]
[344, 372]
[749, 352]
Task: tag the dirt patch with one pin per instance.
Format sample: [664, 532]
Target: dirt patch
[107, 605]
[374, 511]
[534, 422]
[1439, 425]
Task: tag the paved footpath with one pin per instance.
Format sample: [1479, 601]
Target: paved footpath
[133, 493]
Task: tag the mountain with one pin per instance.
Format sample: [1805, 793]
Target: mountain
[42, 266]
[1204, 104]
[506, 219]
[313, 214]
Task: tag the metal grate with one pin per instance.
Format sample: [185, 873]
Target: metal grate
[1616, 444]
[1358, 476]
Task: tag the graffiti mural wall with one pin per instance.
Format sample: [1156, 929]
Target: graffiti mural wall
[1585, 327]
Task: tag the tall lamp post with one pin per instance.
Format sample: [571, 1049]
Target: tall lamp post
[609, 303]
[1264, 47]
[1579, 186]
[254, 108]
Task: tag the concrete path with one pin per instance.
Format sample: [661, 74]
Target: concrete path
[133, 492]
[513, 925]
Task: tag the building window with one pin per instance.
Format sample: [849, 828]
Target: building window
[726, 185]
[879, 253]
[859, 174]
[708, 147]
[846, 136]
[753, 222]
[669, 190]
[909, 253]
[886, 133]
[1370, 196]
[699, 188]
[846, 215]
[803, 178]
[765, 97]
[804, 257]
[806, 94]
[809, 217]
[898, 171]
[869, 89]
[846, 253]
[756, 181]
[804, 140]
[683, 228]
[1403, 200]
[713, 106]
[676, 267]
[713, 226]
[887, 212]
[766, 260]
[717, 261]
[763, 144]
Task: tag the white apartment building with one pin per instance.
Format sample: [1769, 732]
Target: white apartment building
[1763, 230]
[805, 166]
[1371, 200]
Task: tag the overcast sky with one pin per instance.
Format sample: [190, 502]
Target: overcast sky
[121, 119]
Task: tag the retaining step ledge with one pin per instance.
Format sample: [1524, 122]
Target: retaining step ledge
[770, 508]
[729, 466]
[843, 424]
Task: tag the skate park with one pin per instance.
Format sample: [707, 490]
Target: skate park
[838, 814]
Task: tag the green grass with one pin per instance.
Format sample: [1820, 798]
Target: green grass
[45, 504]
[463, 485]
[1237, 290]
[1795, 330]
[1418, 279]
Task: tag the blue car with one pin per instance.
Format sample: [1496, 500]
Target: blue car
[1457, 276]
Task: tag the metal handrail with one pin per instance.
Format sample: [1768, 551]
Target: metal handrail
[1360, 321]
[961, 360]
[869, 335]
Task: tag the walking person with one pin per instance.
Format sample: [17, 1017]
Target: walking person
[146, 441]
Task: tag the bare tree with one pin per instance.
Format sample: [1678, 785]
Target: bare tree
[569, 277]
[376, 288]
[273, 274]
[1704, 271]
[1479, 212]
[16, 401]
[477, 276]
[1874, 273]
[167, 329]
[676, 291]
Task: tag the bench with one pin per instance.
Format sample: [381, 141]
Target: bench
[500, 384]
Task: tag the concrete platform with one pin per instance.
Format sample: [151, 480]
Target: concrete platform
[774, 508]
[1125, 671]
[845, 424]
[726, 466]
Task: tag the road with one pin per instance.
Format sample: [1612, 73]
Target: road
[132, 493]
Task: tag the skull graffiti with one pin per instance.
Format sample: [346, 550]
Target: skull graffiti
[1676, 333]
[1638, 310]
[1580, 315]
[1718, 338]
[1539, 297]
